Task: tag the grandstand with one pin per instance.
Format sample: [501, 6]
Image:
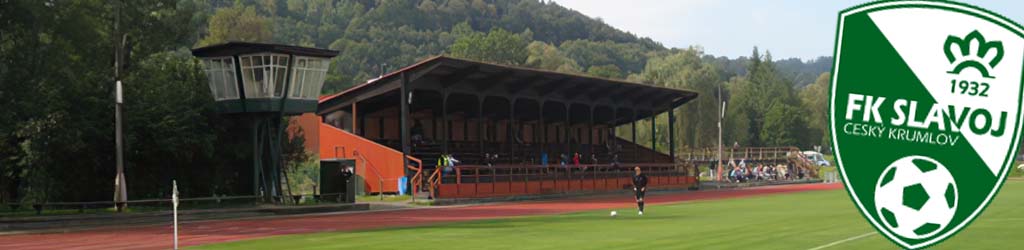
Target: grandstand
[400, 123]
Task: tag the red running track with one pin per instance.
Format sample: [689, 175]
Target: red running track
[206, 232]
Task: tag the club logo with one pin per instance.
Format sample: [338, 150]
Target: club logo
[925, 113]
[958, 52]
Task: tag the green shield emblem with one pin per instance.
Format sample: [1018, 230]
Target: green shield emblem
[925, 113]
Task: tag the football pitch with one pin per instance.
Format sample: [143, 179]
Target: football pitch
[807, 220]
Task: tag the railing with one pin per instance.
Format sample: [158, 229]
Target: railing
[343, 154]
[791, 154]
[369, 165]
[416, 179]
[511, 180]
[754, 153]
[82, 206]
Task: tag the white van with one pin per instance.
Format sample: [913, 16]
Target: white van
[817, 158]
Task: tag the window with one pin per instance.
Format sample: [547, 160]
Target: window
[308, 77]
[220, 72]
[263, 75]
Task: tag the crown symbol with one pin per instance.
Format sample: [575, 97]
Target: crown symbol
[959, 53]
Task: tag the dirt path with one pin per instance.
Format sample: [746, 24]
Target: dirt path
[198, 233]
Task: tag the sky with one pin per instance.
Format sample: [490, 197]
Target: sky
[788, 28]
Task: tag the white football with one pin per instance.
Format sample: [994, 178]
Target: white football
[916, 197]
[614, 214]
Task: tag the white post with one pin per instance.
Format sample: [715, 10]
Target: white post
[721, 114]
[174, 200]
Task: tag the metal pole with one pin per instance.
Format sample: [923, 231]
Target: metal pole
[354, 118]
[119, 196]
[480, 123]
[404, 123]
[444, 120]
[256, 147]
[636, 152]
[721, 113]
[174, 200]
[590, 134]
[671, 135]
[510, 130]
[543, 130]
[120, 191]
[654, 136]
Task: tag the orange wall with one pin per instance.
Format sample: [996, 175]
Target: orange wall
[323, 139]
[387, 161]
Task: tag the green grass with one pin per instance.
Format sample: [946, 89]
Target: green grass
[787, 221]
[1016, 172]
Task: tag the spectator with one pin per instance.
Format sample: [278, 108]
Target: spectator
[452, 161]
[576, 159]
[443, 163]
[544, 159]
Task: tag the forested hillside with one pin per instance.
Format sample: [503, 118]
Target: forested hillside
[56, 80]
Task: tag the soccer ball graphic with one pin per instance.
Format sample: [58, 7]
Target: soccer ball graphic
[916, 197]
[614, 214]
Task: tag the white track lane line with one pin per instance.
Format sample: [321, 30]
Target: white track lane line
[843, 241]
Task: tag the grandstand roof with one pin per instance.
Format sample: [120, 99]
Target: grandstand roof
[454, 75]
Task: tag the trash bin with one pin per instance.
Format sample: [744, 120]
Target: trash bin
[337, 180]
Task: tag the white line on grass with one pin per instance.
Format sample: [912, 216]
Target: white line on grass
[843, 241]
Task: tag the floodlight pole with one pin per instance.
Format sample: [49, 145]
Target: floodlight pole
[120, 191]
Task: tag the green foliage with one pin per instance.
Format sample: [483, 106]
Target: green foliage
[684, 69]
[803, 73]
[782, 125]
[628, 57]
[756, 95]
[304, 175]
[56, 137]
[607, 71]
[237, 23]
[815, 98]
[497, 46]
[545, 56]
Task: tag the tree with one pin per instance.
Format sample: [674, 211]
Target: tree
[606, 71]
[814, 99]
[498, 46]
[783, 125]
[684, 69]
[58, 113]
[756, 93]
[545, 56]
[738, 119]
[238, 23]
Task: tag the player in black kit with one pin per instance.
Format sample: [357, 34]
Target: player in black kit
[639, 188]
